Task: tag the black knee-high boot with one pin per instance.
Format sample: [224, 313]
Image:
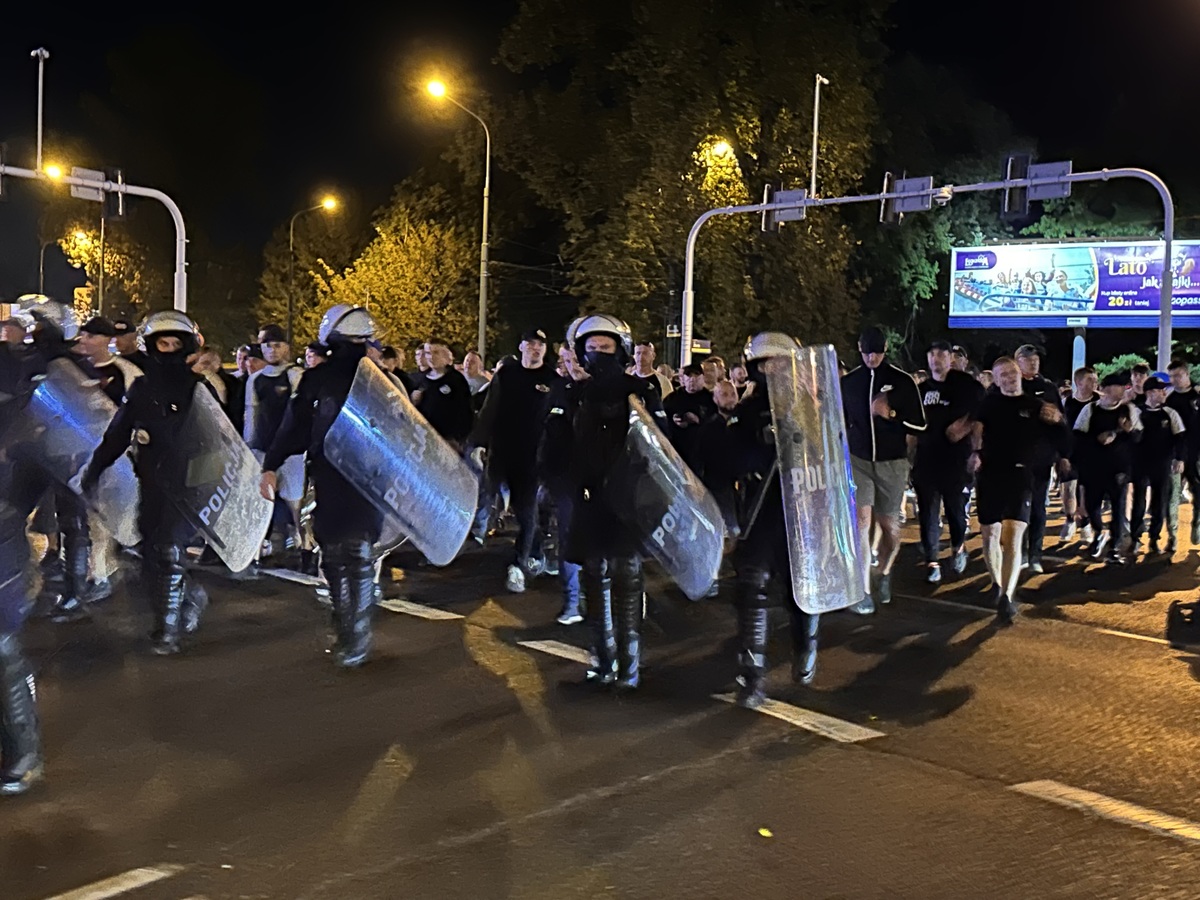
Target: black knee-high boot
[752, 620]
[21, 747]
[628, 610]
[359, 604]
[597, 586]
[170, 588]
[805, 628]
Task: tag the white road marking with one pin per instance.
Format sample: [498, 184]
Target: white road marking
[827, 726]
[293, 575]
[1134, 637]
[416, 609]
[558, 648]
[120, 884]
[1108, 808]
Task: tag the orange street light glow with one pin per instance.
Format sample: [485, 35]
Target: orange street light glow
[54, 171]
[436, 88]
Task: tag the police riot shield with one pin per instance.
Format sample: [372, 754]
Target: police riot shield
[667, 508]
[220, 477]
[818, 489]
[65, 420]
[405, 469]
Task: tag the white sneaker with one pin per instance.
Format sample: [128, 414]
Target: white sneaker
[569, 618]
[1068, 532]
[516, 580]
[267, 549]
[1087, 535]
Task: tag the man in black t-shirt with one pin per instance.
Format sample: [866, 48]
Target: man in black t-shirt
[1107, 431]
[1185, 400]
[950, 398]
[687, 410]
[1029, 360]
[1013, 432]
[1084, 392]
[509, 429]
[444, 397]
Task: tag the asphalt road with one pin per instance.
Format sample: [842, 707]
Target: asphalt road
[1052, 759]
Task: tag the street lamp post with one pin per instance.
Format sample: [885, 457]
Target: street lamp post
[821, 79]
[42, 267]
[329, 204]
[437, 89]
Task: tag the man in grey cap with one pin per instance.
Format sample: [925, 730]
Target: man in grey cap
[884, 415]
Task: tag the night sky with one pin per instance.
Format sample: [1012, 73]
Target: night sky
[327, 103]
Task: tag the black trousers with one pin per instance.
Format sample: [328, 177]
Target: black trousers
[934, 490]
[1158, 481]
[1110, 486]
[1036, 533]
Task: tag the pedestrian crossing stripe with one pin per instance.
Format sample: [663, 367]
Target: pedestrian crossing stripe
[1110, 808]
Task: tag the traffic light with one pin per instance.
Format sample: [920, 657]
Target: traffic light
[1015, 202]
[114, 201]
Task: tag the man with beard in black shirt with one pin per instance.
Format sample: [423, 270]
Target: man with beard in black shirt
[1084, 392]
[1185, 400]
[444, 397]
[1108, 428]
[509, 428]
[1156, 458]
[1014, 430]
[1029, 361]
[950, 398]
[687, 410]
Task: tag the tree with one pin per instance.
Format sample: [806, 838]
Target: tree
[958, 140]
[639, 119]
[324, 244]
[417, 274]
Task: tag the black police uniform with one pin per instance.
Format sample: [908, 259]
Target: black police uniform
[762, 554]
[598, 412]
[20, 736]
[152, 417]
[347, 527]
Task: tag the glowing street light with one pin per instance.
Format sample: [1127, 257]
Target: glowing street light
[53, 171]
[721, 149]
[81, 236]
[438, 89]
[329, 204]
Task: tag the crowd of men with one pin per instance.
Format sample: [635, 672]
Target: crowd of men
[543, 430]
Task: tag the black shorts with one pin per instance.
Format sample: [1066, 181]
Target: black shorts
[1005, 495]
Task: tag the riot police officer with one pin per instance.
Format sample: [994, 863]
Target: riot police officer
[761, 554]
[347, 527]
[155, 411]
[20, 737]
[597, 412]
[53, 326]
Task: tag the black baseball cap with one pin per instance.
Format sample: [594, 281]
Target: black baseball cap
[533, 334]
[99, 325]
[272, 334]
[692, 369]
[1154, 384]
[960, 350]
[872, 340]
[1028, 350]
[940, 345]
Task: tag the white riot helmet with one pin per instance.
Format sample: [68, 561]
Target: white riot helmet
[34, 310]
[350, 323]
[602, 323]
[770, 343]
[572, 329]
[168, 323]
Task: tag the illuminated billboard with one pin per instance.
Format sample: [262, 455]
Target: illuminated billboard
[1093, 285]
